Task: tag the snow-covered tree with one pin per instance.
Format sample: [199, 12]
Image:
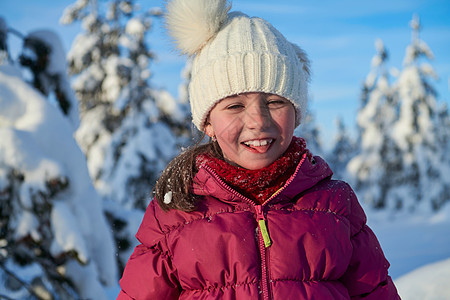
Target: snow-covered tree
[183, 99]
[123, 118]
[55, 242]
[344, 149]
[309, 130]
[3, 44]
[444, 132]
[425, 182]
[44, 56]
[129, 131]
[375, 169]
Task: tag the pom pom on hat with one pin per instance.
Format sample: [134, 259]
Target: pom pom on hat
[192, 23]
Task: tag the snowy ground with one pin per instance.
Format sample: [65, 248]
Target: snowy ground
[418, 248]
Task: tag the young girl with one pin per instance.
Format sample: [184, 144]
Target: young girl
[251, 214]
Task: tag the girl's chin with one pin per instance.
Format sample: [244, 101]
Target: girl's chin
[252, 159]
[255, 164]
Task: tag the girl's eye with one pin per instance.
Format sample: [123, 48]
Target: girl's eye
[276, 102]
[235, 106]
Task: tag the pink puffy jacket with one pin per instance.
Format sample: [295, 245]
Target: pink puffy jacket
[318, 245]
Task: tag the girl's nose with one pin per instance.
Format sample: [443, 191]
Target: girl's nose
[258, 116]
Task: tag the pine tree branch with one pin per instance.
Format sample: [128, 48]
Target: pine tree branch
[23, 283]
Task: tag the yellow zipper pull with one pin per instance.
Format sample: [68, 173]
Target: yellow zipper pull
[262, 226]
[265, 233]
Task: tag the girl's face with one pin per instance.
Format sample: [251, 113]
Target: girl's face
[252, 129]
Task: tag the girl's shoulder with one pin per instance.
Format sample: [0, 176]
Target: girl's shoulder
[335, 197]
[158, 222]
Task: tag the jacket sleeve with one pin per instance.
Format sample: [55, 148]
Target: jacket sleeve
[367, 275]
[149, 273]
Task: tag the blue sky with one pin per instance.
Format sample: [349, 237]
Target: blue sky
[339, 37]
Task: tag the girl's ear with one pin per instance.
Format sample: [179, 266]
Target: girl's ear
[209, 130]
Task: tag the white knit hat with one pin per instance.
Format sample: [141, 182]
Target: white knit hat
[235, 54]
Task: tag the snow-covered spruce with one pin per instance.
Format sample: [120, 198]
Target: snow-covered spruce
[129, 130]
[403, 162]
[45, 57]
[49, 206]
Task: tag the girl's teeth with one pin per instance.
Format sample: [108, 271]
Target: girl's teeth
[258, 143]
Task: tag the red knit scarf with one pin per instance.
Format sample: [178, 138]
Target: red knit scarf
[258, 185]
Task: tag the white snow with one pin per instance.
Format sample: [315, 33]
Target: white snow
[402, 161]
[37, 139]
[57, 68]
[169, 105]
[168, 197]
[430, 282]
[67, 237]
[57, 59]
[418, 249]
[135, 28]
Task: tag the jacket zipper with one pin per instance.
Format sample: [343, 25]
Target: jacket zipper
[264, 240]
[264, 243]
[260, 218]
[262, 226]
[287, 182]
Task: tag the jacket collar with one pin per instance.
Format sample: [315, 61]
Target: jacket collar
[307, 174]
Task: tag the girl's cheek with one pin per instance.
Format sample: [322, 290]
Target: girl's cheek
[230, 128]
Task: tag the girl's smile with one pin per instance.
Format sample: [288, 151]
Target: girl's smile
[259, 146]
[252, 129]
